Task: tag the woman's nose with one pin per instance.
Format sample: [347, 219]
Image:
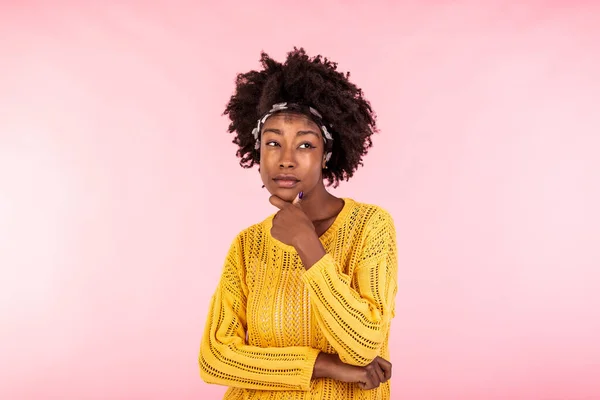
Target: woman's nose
[287, 159]
[287, 164]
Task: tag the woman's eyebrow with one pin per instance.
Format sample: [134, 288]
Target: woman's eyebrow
[299, 133]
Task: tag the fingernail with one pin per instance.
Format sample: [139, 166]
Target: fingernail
[300, 195]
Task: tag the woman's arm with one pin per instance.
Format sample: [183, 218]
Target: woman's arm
[226, 359]
[367, 377]
[355, 322]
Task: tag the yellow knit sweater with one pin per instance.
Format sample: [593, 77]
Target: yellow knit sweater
[269, 317]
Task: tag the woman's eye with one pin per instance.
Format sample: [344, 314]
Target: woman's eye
[306, 145]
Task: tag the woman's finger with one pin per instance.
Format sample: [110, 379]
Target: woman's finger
[386, 366]
[379, 372]
[373, 377]
[278, 202]
[298, 199]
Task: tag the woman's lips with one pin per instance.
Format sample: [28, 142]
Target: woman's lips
[286, 183]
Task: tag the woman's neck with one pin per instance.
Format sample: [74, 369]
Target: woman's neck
[321, 205]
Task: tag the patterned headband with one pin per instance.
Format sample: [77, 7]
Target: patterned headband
[316, 117]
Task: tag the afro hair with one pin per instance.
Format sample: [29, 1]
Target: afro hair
[312, 81]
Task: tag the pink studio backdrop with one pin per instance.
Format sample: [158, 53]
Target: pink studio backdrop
[120, 191]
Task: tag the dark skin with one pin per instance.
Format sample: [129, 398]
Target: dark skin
[292, 146]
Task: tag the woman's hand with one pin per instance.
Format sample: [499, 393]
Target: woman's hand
[291, 223]
[367, 377]
[292, 226]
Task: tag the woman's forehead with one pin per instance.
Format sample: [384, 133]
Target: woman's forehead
[286, 117]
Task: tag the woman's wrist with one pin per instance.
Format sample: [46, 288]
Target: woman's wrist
[310, 249]
[323, 365]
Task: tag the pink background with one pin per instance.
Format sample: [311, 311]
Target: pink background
[120, 191]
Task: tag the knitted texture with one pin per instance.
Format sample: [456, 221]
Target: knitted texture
[269, 317]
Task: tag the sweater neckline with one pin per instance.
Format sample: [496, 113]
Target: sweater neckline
[337, 222]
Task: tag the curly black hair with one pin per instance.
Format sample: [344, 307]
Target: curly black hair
[313, 81]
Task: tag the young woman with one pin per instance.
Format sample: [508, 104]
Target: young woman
[306, 297]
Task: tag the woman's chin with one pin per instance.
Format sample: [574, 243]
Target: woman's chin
[284, 194]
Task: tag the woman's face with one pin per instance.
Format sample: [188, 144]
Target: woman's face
[291, 155]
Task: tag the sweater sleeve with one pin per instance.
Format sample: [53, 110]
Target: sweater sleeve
[226, 359]
[356, 322]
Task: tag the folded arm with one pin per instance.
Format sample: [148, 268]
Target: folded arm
[356, 321]
[226, 359]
